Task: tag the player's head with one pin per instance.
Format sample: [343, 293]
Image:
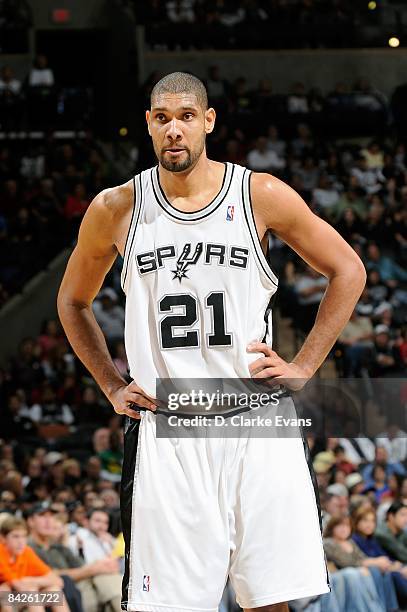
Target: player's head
[178, 120]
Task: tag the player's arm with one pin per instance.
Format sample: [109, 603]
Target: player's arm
[87, 267]
[279, 208]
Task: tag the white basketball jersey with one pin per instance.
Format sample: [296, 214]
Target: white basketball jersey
[197, 284]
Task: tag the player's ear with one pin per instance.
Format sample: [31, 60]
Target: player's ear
[148, 121]
[210, 117]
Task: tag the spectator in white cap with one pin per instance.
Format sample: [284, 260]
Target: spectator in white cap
[354, 483]
[109, 314]
[338, 489]
[52, 458]
[336, 503]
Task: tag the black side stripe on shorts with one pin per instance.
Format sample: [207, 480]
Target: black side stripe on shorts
[131, 436]
[316, 492]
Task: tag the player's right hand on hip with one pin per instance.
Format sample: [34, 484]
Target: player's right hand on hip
[125, 399]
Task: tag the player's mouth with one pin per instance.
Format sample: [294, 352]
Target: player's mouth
[173, 151]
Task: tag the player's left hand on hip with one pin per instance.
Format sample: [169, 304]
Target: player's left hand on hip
[274, 370]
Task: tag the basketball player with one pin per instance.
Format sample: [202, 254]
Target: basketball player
[191, 230]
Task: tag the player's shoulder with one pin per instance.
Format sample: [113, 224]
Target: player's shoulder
[265, 185]
[114, 202]
[269, 195]
[274, 202]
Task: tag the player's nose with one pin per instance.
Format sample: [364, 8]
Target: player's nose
[174, 129]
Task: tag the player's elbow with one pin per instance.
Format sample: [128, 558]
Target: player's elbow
[354, 270]
[359, 272]
[62, 301]
[66, 304]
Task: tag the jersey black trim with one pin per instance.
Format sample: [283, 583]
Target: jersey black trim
[193, 211]
[266, 320]
[132, 228]
[196, 215]
[251, 224]
[131, 441]
[132, 216]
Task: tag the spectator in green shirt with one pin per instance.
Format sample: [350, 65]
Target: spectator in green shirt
[112, 458]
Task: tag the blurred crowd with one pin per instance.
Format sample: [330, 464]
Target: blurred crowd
[363, 492]
[60, 464]
[228, 13]
[38, 101]
[46, 186]
[349, 110]
[254, 23]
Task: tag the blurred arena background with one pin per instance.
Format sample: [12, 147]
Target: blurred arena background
[313, 91]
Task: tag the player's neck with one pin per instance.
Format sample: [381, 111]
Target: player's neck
[191, 182]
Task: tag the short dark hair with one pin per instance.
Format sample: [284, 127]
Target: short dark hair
[395, 507]
[92, 511]
[181, 82]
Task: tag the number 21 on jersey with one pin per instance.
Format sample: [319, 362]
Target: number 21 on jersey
[176, 330]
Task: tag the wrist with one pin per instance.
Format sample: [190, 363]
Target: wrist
[305, 369]
[113, 388]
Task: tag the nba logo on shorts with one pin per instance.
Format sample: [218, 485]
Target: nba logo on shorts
[146, 583]
[229, 213]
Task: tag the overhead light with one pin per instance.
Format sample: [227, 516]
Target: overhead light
[372, 5]
[394, 42]
[123, 131]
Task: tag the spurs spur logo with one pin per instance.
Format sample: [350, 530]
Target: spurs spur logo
[186, 259]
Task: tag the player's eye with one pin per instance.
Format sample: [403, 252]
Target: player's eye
[188, 116]
[160, 117]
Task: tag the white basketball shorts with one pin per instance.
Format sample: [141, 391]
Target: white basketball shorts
[197, 510]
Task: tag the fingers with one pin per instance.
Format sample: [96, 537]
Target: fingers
[271, 360]
[131, 399]
[268, 373]
[134, 388]
[264, 362]
[133, 414]
[260, 347]
[140, 400]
